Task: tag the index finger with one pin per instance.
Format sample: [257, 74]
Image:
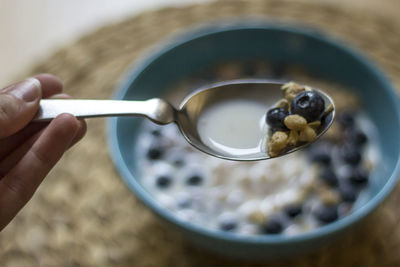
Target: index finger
[51, 84]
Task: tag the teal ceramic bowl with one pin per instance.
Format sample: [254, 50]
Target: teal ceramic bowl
[204, 47]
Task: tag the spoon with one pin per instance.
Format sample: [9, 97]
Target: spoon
[266, 92]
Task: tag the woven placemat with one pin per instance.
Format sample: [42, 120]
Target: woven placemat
[83, 214]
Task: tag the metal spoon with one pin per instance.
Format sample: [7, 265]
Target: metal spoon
[186, 117]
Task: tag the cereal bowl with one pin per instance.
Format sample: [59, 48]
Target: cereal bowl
[308, 49]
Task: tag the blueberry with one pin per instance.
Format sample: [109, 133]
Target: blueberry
[154, 153]
[346, 119]
[322, 157]
[358, 176]
[326, 213]
[356, 136]
[178, 162]
[308, 104]
[347, 192]
[293, 210]
[273, 226]
[275, 118]
[156, 132]
[359, 137]
[194, 179]
[163, 181]
[320, 153]
[227, 221]
[350, 154]
[328, 176]
[227, 224]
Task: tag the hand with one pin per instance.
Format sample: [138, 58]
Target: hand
[28, 151]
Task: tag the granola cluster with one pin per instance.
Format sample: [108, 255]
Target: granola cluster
[296, 118]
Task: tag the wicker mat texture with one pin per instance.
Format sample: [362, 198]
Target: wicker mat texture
[83, 214]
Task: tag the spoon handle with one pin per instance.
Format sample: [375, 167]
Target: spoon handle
[155, 109]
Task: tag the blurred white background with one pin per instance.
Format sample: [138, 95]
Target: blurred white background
[30, 30]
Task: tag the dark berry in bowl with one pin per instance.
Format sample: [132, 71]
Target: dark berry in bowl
[275, 118]
[178, 162]
[347, 192]
[320, 153]
[273, 226]
[356, 136]
[326, 213]
[328, 175]
[293, 210]
[350, 154]
[346, 119]
[308, 104]
[321, 157]
[156, 132]
[163, 181]
[154, 153]
[194, 179]
[228, 224]
[358, 176]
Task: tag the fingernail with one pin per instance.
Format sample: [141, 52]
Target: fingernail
[28, 90]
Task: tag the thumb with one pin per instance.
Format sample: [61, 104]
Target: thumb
[18, 105]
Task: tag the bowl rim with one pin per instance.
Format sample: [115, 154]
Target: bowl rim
[219, 27]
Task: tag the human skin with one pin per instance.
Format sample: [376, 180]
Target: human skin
[28, 151]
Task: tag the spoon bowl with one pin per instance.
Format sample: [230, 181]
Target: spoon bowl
[257, 91]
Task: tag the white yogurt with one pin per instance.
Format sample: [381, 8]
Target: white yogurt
[243, 197]
[235, 128]
[245, 193]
